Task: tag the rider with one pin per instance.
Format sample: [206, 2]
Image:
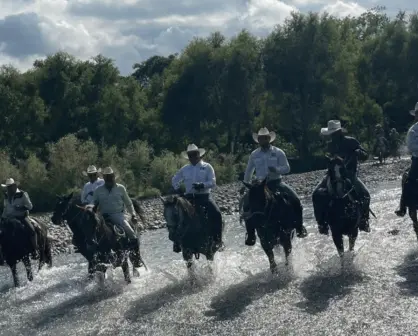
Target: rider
[17, 204]
[111, 198]
[350, 150]
[199, 178]
[381, 141]
[95, 182]
[271, 162]
[394, 142]
[412, 144]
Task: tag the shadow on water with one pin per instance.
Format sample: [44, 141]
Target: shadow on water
[330, 283]
[68, 308]
[233, 301]
[156, 300]
[409, 270]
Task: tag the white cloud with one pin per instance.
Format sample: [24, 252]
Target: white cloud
[130, 31]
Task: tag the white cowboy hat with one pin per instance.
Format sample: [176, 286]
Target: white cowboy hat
[264, 132]
[333, 126]
[193, 148]
[108, 171]
[415, 110]
[9, 182]
[91, 170]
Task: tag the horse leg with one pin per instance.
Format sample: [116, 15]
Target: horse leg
[286, 242]
[91, 270]
[125, 269]
[16, 281]
[268, 249]
[28, 267]
[48, 252]
[337, 237]
[188, 258]
[412, 211]
[352, 239]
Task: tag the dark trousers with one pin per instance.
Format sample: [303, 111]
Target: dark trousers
[214, 213]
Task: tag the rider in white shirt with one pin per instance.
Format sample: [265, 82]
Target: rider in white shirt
[199, 179]
[89, 188]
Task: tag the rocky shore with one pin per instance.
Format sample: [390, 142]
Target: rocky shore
[227, 197]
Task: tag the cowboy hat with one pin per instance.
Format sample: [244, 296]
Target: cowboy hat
[414, 111]
[264, 132]
[333, 126]
[108, 171]
[9, 182]
[91, 170]
[193, 148]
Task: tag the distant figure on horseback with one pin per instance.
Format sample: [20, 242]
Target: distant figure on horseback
[94, 182]
[350, 150]
[17, 205]
[111, 199]
[409, 181]
[270, 163]
[381, 145]
[199, 179]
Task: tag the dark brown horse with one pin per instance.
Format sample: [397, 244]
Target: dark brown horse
[101, 243]
[189, 224]
[272, 216]
[17, 246]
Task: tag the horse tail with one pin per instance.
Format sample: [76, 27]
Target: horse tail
[139, 210]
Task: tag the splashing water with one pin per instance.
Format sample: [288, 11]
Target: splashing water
[377, 294]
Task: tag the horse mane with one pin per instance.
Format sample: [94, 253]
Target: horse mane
[185, 205]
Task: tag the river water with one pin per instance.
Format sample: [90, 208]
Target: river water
[377, 295]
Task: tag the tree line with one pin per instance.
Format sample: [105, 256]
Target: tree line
[64, 113]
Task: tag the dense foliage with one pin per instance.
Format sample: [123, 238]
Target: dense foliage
[65, 114]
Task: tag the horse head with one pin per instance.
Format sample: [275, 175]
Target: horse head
[176, 210]
[259, 196]
[338, 181]
[61, 209]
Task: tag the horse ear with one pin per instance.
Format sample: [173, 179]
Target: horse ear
[162, 199]
[248, 185]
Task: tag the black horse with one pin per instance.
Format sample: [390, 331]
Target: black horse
[273, 218]
[15, 240]
[101, 243]
[188, 224]
[411, 198]
[344, 210]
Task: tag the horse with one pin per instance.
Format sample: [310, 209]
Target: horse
[16, 246]
[344, 210]
[411, 199]
[272, 215]
[188, 224]
[381, 149]
[101, 243]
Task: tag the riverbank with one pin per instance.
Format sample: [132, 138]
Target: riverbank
[227, 197]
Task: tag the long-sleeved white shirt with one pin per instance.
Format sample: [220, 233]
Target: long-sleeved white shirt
[202, 172]
[88, 190]
[261, 160]
[20, 199]
[412, 140]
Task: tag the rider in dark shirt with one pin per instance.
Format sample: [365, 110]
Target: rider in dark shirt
[350, 150]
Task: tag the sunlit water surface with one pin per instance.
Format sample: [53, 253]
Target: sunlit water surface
[378, 295]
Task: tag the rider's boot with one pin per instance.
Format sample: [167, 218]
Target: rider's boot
[250, 237]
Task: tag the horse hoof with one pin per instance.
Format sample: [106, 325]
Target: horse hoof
[135, 273]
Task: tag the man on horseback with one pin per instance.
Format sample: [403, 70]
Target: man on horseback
[412, 144]
[17, 204]
[199, 179]
[111, 198]
[271, 162]
[350, 150]
[89, 188]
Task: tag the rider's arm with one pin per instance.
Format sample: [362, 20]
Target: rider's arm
[283, 166]
[84, 194]
[250, 168]
[177, 179]
[412, 140]
[27, 204]
[127, 201]
[210, 178]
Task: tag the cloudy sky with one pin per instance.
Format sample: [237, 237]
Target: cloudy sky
[130, 31]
